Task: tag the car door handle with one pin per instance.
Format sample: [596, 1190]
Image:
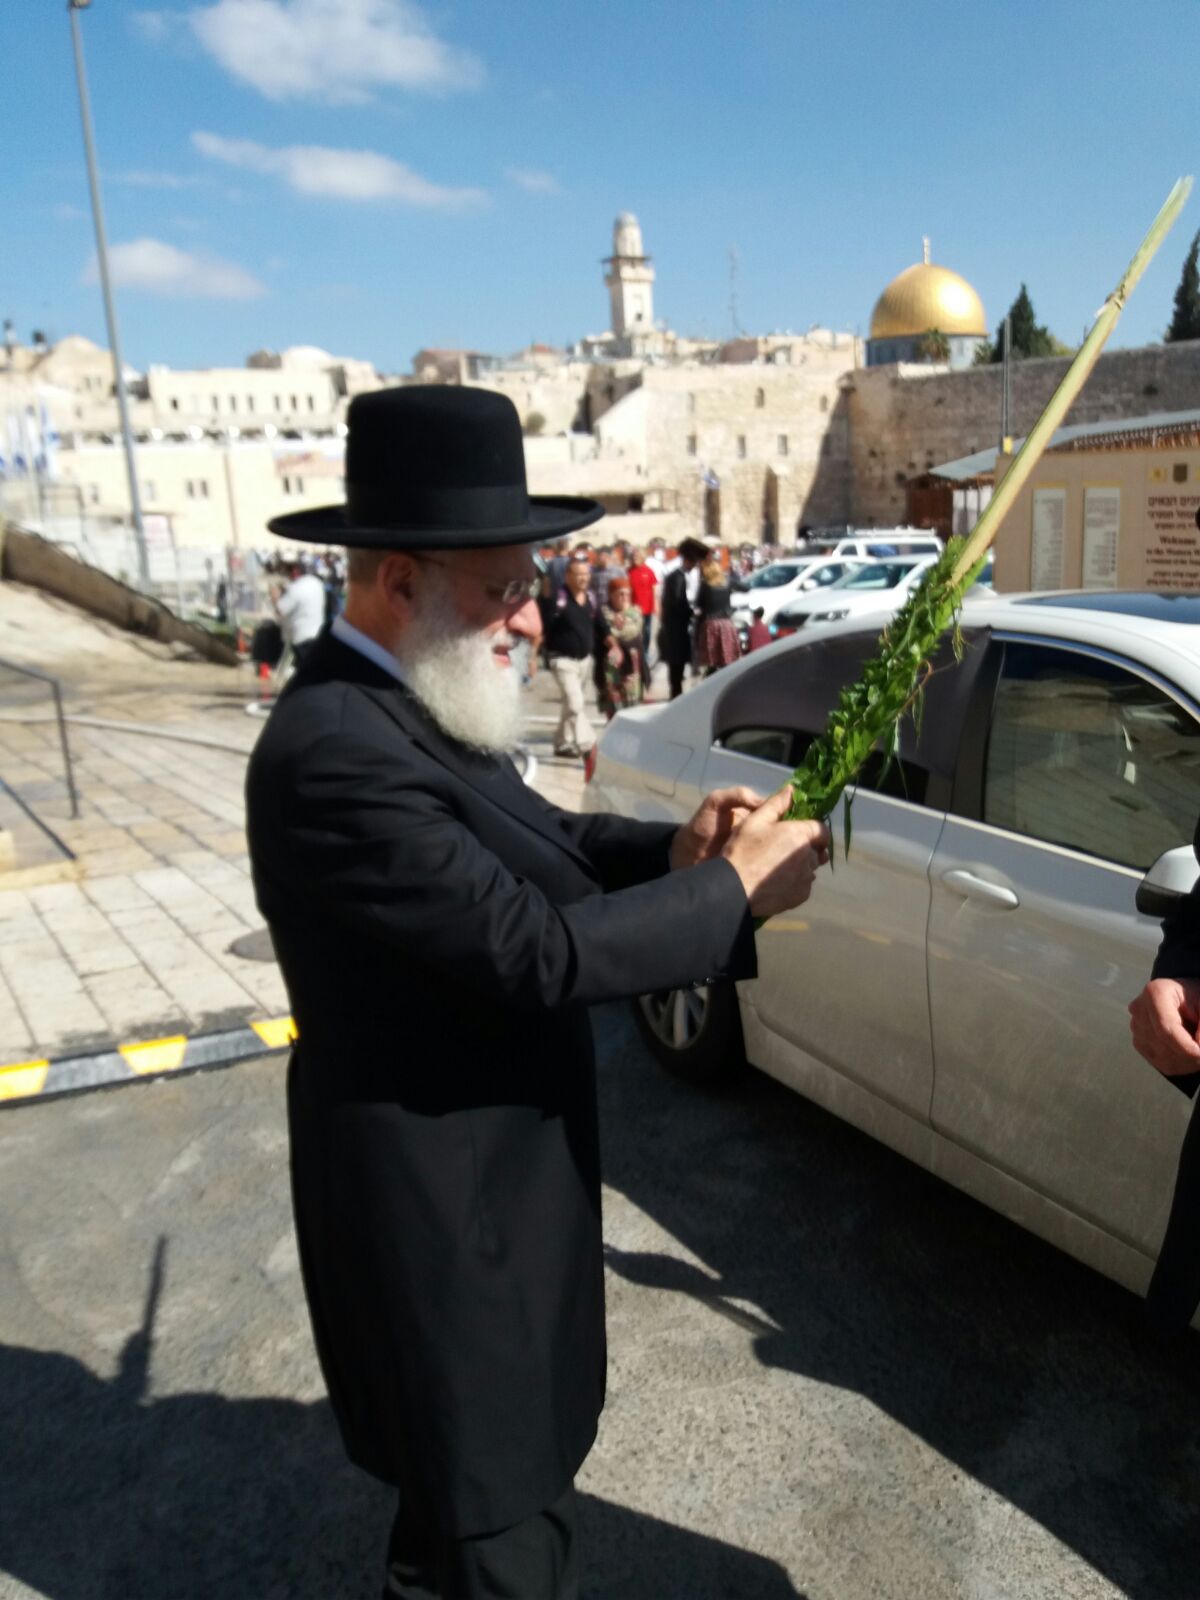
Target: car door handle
[972, 887]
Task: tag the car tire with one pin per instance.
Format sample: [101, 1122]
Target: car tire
[695, 1034]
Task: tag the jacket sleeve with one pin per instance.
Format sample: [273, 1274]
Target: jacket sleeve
[381, 851]
[621, 851]
[1179, 954]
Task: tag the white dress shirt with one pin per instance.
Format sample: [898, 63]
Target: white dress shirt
[301, 609]
[371, 648]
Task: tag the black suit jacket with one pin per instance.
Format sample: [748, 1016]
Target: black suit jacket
[441, 932]
[675, 617]
[1174, 1291]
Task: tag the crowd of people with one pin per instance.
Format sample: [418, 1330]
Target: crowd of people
[608, 613]
[607, 610]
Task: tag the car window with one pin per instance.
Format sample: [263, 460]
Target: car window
[765, 744]
[822, 577]
[883, 575]
[793, 692]
[778, 572]
[1087, 754]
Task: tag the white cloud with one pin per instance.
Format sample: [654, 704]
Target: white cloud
[160, 268]
[362, 175]
[534, 181]
[339, 51]
[65, 212]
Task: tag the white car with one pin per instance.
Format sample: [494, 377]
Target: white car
[775, 585]
[876, 544]
[871, 589]
[957, 984]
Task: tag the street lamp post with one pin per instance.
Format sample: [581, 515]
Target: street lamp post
[110, 311]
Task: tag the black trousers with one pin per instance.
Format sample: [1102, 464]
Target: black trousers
[537, 1559]
[676, 666]
[1174, 1290]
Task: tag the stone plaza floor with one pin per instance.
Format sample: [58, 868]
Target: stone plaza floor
[135, 940]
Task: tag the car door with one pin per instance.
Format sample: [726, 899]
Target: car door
[1080, 773]
[843, 978]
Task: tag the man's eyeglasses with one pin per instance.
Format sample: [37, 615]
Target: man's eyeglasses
[516, 592]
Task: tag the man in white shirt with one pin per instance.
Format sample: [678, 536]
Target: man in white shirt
[301, 611]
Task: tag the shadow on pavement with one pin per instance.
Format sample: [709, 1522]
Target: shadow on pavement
[108, 1493]
[1026, 1370]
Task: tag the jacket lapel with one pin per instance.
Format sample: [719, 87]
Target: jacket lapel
[494, 779]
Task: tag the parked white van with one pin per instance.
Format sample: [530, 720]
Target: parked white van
[875, 544]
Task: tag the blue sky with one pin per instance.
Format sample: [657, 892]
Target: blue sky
[377, 175]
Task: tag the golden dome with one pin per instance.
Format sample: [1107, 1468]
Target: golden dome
[924, 297]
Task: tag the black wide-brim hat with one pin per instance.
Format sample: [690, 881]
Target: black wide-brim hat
[436, 467]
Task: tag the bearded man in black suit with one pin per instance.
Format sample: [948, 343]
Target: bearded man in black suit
[442, 932]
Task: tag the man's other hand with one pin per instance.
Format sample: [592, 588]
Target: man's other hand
[708, 832]
[1163, 1021]
[775, 859]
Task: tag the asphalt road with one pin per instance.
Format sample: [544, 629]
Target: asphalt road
[830, 1376]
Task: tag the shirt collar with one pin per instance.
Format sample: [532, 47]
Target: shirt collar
[371, 648]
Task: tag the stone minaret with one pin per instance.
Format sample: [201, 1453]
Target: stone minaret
[629, 279]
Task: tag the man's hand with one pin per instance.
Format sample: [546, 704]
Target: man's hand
[708, 832]
[1163, 1021]
[776, 860]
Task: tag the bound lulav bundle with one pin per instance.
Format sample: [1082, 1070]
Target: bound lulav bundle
[869, 712]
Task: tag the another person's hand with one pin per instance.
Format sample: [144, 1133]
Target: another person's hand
[776, 860]
[1163, 1021]
[707, 833]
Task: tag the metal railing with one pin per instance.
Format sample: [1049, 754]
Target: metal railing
[68, 767]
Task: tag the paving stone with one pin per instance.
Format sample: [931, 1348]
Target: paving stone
[16, 1040]
[148, 921]
[134, 1005]
[26, 929]
[63, 1022]
[92, 954]
[167, 884]
[117, 893]
[230, 844]
[124, 860]
[158, 836]
[262, 978]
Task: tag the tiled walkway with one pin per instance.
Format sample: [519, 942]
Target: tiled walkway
[139, 946]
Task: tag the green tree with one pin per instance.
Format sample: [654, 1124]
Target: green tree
[1185, 324]
[985, 353]
[534, 422]
[1029, 337]
[933, 345]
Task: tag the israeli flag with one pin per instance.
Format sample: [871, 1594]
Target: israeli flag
[709, 479]
[51, 440]
[16, 455]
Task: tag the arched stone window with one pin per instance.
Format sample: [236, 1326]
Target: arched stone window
[760, 398]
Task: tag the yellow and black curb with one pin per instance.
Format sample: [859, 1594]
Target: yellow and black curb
[144, 1058]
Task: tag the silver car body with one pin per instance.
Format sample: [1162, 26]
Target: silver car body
[957, 988]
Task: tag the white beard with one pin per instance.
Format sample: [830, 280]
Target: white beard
[453, 673]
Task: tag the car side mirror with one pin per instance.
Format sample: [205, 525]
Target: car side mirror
[1171, 877]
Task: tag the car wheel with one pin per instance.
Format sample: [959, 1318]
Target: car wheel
[696, 1034]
